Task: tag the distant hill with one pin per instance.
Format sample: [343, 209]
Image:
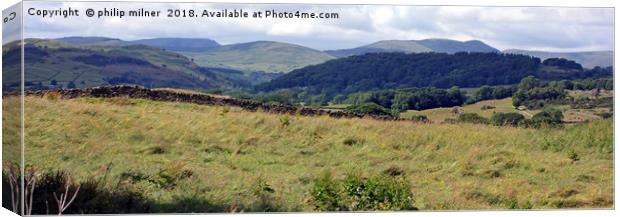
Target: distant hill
[172, 44]
[52, 64]
[180, 44]
[416, 46]
[588, 59]
[377, 71]
[265, 56]
[78, 40]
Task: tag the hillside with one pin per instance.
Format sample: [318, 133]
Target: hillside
[226, 154]
[180, 44]
[397, 70]
[587, 59]
[172, 44]
[416, 46]
[266, 56]
[52, 64]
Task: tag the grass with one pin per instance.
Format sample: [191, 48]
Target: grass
[440, 114]
[231, 154]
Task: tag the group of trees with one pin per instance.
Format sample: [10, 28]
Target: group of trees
[492, 92]
[549, 117]
[534, 93]
[562, 63]
[380, 71]
[410, 98]
[372, 108]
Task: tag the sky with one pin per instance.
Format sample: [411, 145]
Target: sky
[531, 28]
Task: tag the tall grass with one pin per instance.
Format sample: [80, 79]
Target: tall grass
[448, 166]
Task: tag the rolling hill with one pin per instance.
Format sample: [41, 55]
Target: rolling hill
[180, 44]
[265, 56]
[172, 44]
[588, 59]
[52, 63]
[416, 46]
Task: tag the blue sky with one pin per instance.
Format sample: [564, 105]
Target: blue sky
[534, 28]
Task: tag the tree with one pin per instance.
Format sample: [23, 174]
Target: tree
[502, 119]
[528, 83]
[550, 116]
[71, 85]
[370, 108]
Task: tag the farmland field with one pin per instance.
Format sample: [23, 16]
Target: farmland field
[227, 153]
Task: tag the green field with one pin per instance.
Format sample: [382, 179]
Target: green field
[263, 56]
[438, 115]
[229, 152]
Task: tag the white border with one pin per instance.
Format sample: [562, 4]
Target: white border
[564, 3]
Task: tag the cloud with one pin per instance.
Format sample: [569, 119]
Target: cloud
[542, 28]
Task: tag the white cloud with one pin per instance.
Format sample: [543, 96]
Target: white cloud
[503, 27]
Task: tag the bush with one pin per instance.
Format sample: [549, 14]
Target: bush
[371, 109]
[351, 141]
[549, 117]
[356, 193]
[419, 119]
[487, 107]
[472, 118]
[573, 155]
[265, 200]
[285, 121]
[502, 119]
[325, 192]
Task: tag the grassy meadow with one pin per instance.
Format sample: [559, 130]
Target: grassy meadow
[438, 115]
[225, 154]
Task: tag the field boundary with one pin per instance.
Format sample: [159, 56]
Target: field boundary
[137, 92]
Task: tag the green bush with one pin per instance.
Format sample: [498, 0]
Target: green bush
[326, 194]
[372, 109]
[503, 119]
[472, 118]
[356, 193]
[549, 117]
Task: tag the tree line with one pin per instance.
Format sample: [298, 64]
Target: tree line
[380, 71]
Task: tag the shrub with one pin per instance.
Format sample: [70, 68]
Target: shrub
[487, 107]
[419, 119]
[356, 193]
[94, 196]
[371, 109]
[549, 117]
[285, 121]
[573, 155]
[502, 119]
[265, 201]
[471, 118]
[325, 193]
[351, 141]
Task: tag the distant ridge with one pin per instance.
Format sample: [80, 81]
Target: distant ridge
[172, 44]
[588, 59]
[417, 46]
